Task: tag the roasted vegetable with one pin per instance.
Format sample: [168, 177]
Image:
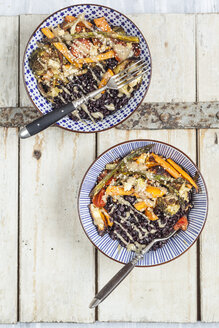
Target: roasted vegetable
[105, 78]
[102, 24]
[183, 173]
[98, 217]
[117, 190]
[70, 19]
[112, 35]
[155, 191]
[141, 206]
[181, 224]
[98, 200]
[150, 214]
[35, 64]
[59, 46]
[103, 182]
[100, 57]
[107, 217]
[166, 166]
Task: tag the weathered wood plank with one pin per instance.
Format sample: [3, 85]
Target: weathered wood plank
[149, 116]
[209, 158]
[8, 224]
[174, 116]
[208, 57]
[57, 266]
[9, 61]
[171, 39]
[28, 24]
[208, 86]
[166, 293]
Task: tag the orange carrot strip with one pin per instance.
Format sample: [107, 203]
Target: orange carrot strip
[183, 173]
[105, 78]
[150, 214]
[142, 205]
[46, 31]
[155, 191]
[166, 166]
[60, 46]
[65, 52]
[104, 56]
[117, 190]
[102, 24]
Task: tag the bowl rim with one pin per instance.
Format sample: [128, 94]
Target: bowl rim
[76, 5]
[151, 140]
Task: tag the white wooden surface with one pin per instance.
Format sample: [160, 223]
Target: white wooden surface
[209, 156]
[208, 87]
[171, 39]
[8, 224]
[9, 61]
[208, 57]
[51, 289]
[56, 260]
[15, 7]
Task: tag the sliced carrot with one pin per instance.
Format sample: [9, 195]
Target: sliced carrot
[141, 206]
[102, 24]
[150, 214]
[71, 19]
[166, 166]
[155, 191]
[46, 31]
[104, 56]
[60, 46]
[117, 190]
[151, 164]
[105, 78]
[183, 173]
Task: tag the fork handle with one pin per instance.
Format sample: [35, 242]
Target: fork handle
[55, 115]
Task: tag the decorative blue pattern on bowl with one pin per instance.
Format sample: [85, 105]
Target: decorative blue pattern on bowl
[91, 12]
[177, 244]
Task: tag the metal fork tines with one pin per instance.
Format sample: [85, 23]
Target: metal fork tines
[128, 75]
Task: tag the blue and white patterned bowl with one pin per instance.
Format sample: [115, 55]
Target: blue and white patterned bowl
[178, 244]
[91, 11]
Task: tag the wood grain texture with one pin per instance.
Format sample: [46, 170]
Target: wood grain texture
[171, 39]
[165, 293]
[126, 6]
[8, 224]
[208, 86]
[208, 57]
[30, 21]
[209, 158]
[57, 261]
[9, 61]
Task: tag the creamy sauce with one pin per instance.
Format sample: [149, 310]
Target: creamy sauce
[122, 51]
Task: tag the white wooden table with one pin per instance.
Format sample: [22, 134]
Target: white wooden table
[49, 270]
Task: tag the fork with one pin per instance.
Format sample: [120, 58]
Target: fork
[116, 82]
[121, 274]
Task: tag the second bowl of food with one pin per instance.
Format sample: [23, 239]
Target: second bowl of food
[75, 51]
[137, 191]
